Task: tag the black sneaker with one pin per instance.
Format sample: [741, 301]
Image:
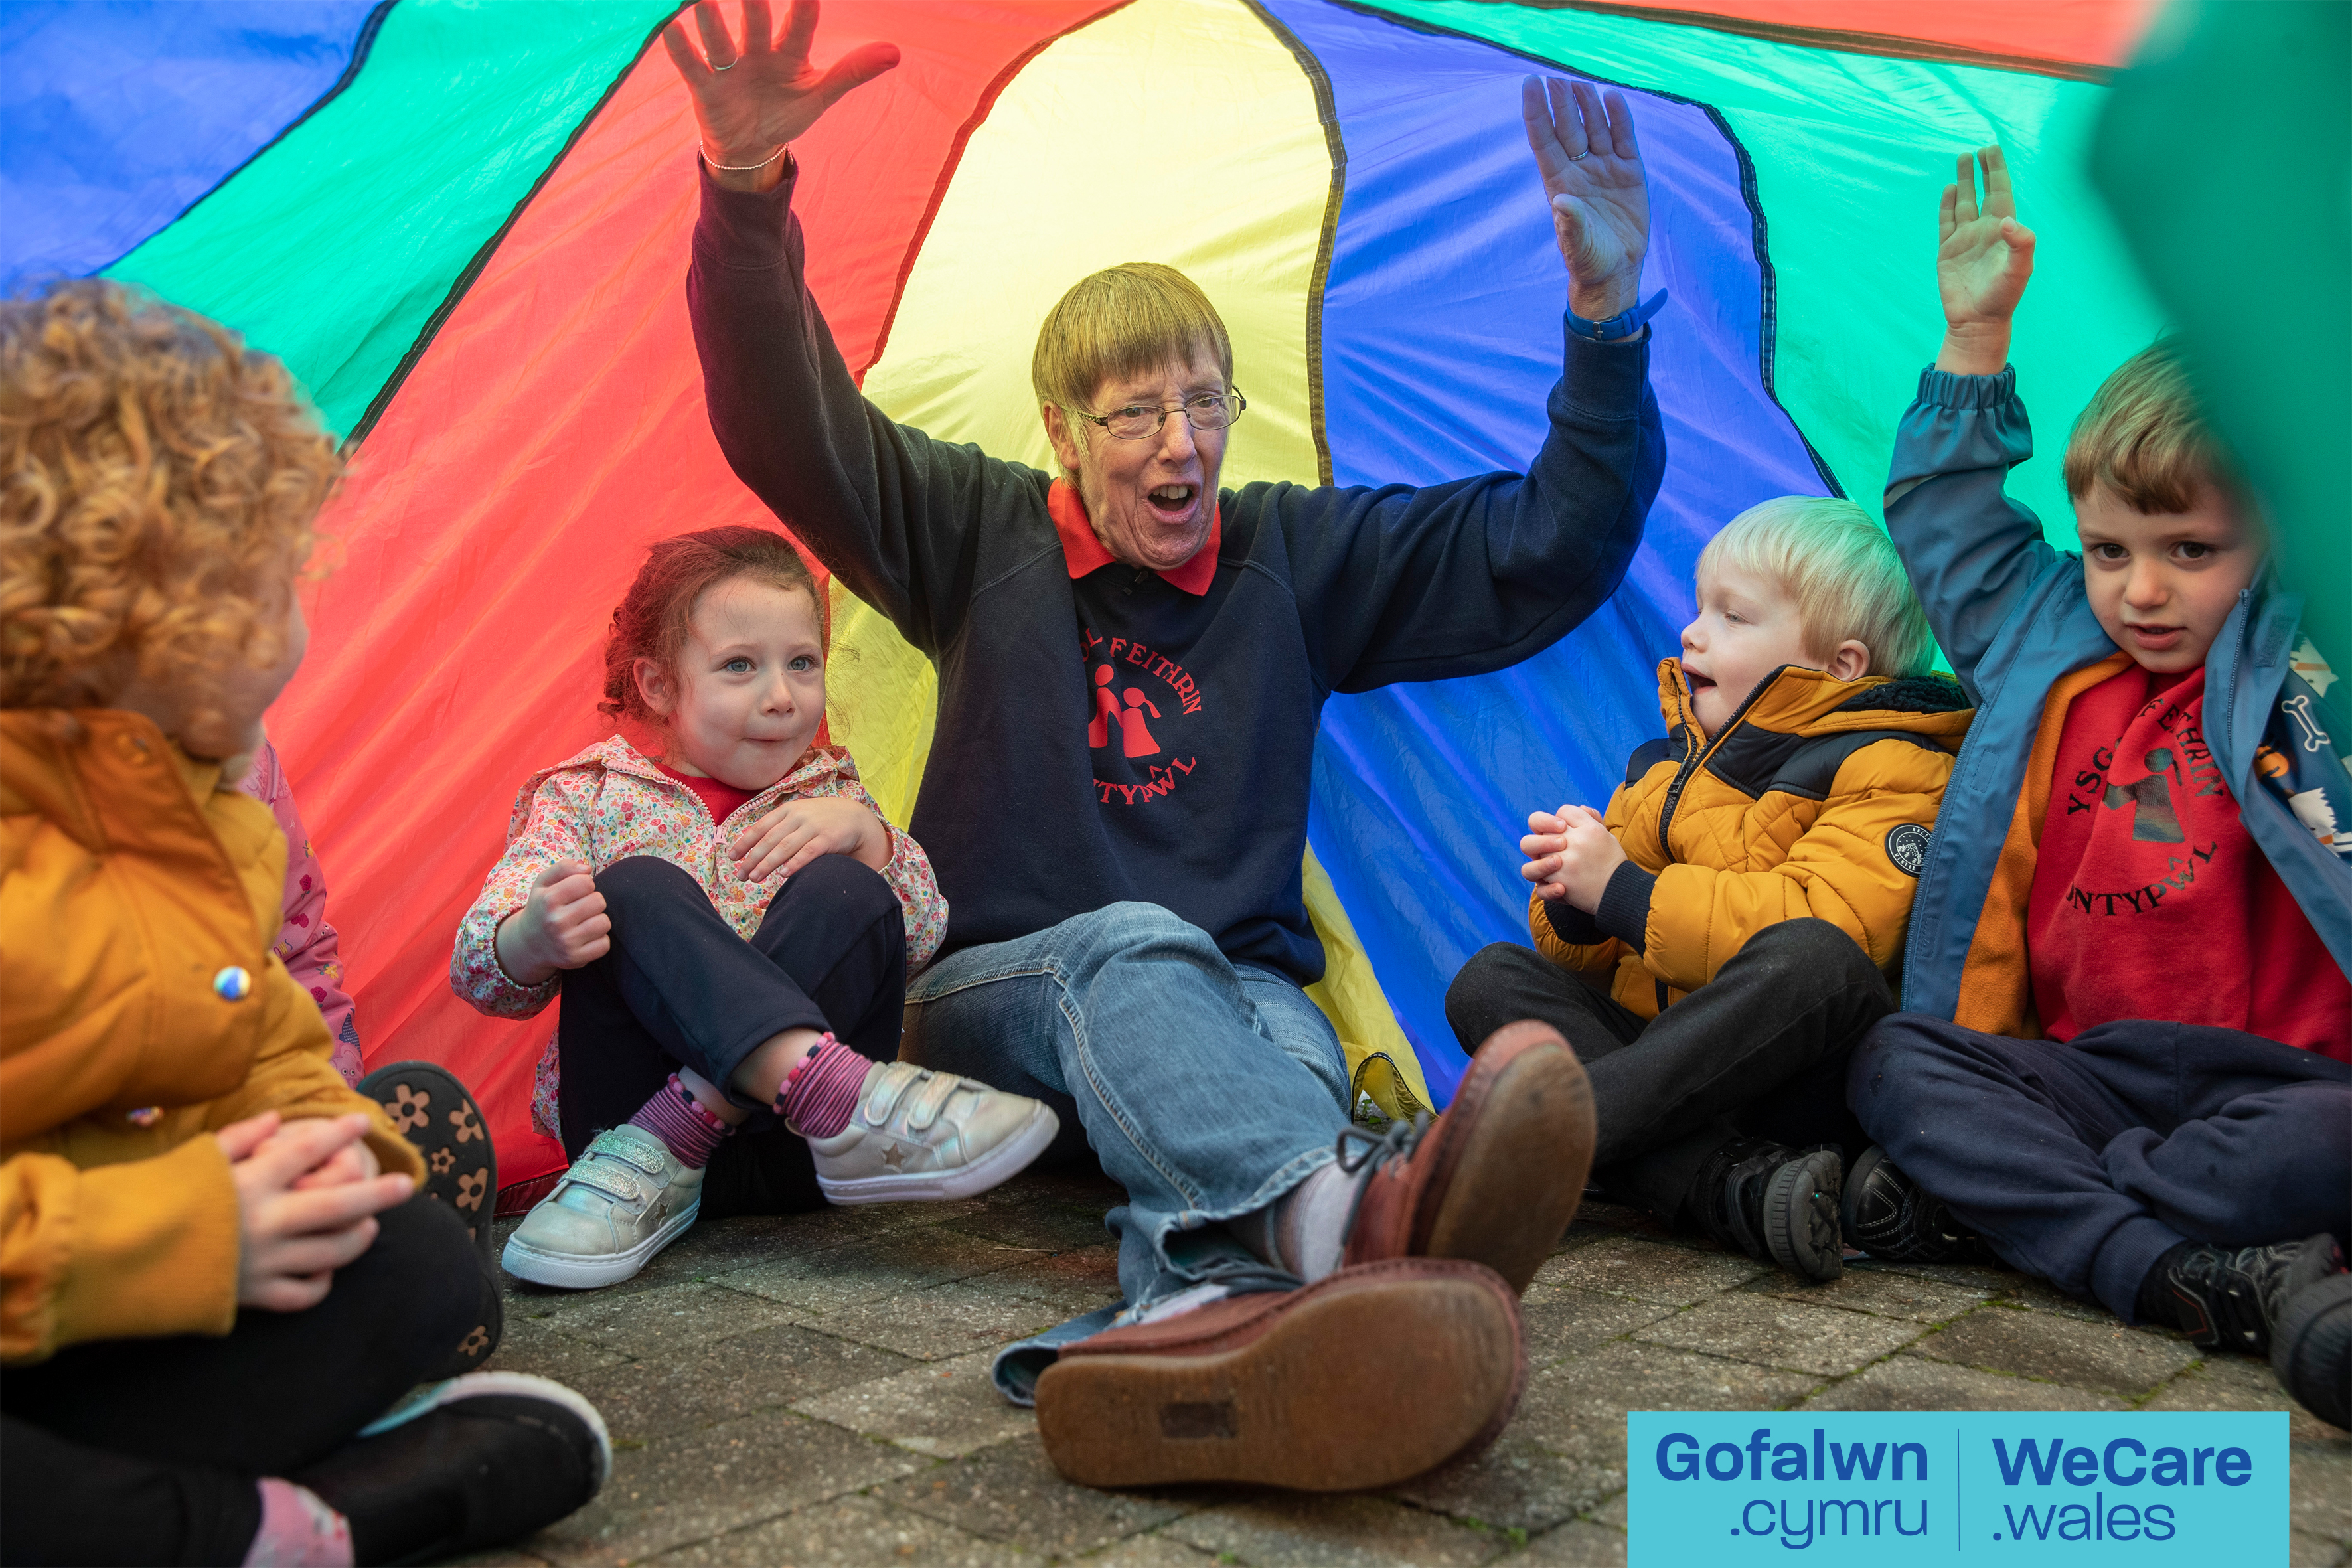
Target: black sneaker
[457, 1466]
[2311, 1347]
[432, 1110]
[1776, 1203]
[1893, 1218]
[2228, 1297]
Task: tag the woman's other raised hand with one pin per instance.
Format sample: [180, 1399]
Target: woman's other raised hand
[1981, 267]
[1600, 195]
[751, 99]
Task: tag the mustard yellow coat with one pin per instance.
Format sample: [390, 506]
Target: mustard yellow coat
[129, 879]
[1815, 800]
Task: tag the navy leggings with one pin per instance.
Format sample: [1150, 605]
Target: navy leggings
[2085, 1161]
[680, 987]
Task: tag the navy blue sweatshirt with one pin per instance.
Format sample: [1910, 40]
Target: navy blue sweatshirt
[1115, 737]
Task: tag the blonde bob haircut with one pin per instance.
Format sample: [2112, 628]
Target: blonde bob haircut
[1840, 568]
[157, 485]
[2143, 438]
[1122, 322]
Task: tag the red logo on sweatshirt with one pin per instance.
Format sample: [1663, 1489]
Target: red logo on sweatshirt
[1128, 725]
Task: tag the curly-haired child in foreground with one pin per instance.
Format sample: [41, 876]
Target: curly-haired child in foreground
[730, 923]
[217, 1272]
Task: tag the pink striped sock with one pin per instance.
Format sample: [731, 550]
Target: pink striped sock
[679, 1119]
[819, 1094]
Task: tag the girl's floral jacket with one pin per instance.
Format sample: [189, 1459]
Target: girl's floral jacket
[609, 803]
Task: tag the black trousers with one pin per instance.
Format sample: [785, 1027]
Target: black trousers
[1760, 1051]
[2085, 1161]
[145, 1451]
[680, 988]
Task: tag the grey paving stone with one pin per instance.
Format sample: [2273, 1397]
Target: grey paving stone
[1649, 1271]
[1576, 1544]
[944, 1320]
[1577, 1407]
[1046, 1226]
[852, 1532]
[721, 1379]
[1563, 1321]
[1517, 1484]
[697, 1484]
[2315, 1552]
[1775, 1333]
[1614, 1513]
[944, 1409]
[1295, 1532]
[537, 1345]
[2319, 1488]
[1011, 1492]
[818, 1283]
[2223, 1380]
[1911, 1383]
[1878, 1292]
[1151, 1552]
[1084, 1277]
[2103, 1356]
[652, 1324]
[2042, 1297]
[1991, 1279]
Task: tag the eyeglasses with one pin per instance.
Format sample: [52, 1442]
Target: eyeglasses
[1140, 422]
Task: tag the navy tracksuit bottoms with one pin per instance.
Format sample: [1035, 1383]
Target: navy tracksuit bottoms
[2083, 1161]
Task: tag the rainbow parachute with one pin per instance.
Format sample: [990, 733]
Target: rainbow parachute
[464, 225]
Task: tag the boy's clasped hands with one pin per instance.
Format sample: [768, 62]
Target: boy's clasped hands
[308, 1191]
[1571, 855]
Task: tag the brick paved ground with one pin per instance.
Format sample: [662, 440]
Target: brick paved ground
[814, 1391]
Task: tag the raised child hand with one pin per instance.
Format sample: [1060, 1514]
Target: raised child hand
[1599, 194]
[292, 1239]
[800, 830]
[563, 926]
[1981, 267]
[749, 100]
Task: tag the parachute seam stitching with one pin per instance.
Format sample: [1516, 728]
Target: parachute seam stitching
[360, 51]
[953, 161]
[464, 282]
[1327, 108]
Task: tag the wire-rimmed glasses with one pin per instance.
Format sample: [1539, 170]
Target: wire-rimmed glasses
[1141, 421]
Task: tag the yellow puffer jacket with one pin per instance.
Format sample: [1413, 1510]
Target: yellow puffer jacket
[1816, 800]
[130, 879]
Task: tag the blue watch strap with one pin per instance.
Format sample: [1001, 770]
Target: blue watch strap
[1622, 325]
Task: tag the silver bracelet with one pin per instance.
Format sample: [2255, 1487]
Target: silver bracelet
[736, 168]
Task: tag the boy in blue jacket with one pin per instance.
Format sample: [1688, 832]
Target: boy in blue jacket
[2127, 1065]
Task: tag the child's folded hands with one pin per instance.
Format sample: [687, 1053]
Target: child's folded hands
[802, 829]
[293, 1232]
[1571, 855]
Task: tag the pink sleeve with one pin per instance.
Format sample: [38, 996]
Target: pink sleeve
[306, 941]
[546, 828]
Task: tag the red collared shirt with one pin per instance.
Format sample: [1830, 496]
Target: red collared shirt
[1086, 553]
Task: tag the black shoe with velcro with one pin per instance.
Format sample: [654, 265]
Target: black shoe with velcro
[1895, 1220]
[1776, 1203]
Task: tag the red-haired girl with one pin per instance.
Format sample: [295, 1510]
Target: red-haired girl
[731, 922]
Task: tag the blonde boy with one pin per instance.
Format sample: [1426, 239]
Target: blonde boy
[1715, 943]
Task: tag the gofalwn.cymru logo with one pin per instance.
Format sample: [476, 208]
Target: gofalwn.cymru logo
[1956, 1487]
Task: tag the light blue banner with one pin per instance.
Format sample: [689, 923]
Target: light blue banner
[1894, 1491]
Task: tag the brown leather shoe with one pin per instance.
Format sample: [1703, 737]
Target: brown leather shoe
[1498, 1176]
[1296, 1388]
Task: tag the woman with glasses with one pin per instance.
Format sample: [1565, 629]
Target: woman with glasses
[1131, 664]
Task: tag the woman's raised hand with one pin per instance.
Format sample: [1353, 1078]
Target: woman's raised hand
[1981, 267]
[1600, 195]
[751, 99]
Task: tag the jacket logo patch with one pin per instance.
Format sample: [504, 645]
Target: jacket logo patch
[1127, 730]
[1907, 845]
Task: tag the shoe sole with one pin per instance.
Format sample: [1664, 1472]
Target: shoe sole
[510, 1384]
[1801, 1222]
[447, 1092]
[999, 1165]
[1532, 1113]
[1310, 1405]
[572, 1271]
[2311, 1351]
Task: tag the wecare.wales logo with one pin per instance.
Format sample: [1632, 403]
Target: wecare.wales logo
[1956, 1487]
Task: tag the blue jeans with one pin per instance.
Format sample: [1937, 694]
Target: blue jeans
[1207, 1089]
